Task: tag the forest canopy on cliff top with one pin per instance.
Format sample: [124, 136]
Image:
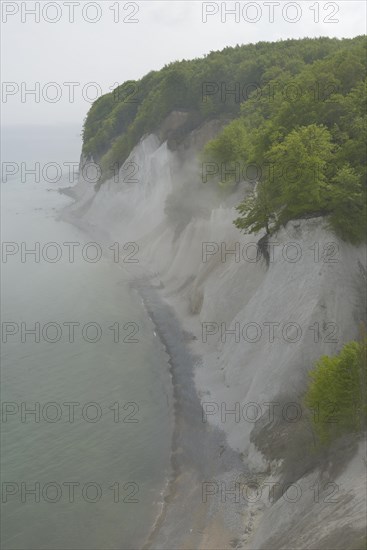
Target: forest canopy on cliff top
[296, 111]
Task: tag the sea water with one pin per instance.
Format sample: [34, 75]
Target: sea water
[86, 392]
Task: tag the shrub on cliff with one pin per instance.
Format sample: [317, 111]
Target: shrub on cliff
[336, 393]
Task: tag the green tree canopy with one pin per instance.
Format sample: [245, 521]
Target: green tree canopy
[306, 132]
[118, 120]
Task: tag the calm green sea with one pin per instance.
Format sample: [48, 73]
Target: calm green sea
[86, 393]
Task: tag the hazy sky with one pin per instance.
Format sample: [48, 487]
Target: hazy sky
[128, 39]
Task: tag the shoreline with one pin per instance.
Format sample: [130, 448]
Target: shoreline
[191, 466]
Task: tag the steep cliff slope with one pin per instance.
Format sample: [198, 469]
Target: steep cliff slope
[259, 323]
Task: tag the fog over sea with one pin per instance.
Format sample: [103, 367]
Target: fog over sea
[87, 468]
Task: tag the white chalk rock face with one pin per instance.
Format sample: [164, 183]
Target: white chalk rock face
[306, 303]
[262, 324]
[259, 325]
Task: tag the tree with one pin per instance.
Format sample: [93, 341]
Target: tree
[256, 211]
[298, 171]
[230, 147]
[294, 182]
[349, 211]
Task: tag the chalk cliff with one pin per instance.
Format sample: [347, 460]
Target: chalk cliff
[259, 323]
